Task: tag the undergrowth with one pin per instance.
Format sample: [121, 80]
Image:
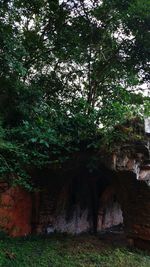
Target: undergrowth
[64, 251]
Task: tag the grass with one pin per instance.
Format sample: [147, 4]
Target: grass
[67, 251]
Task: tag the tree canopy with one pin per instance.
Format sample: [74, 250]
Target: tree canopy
[70, 71]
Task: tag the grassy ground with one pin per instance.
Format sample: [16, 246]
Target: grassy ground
[61, 251]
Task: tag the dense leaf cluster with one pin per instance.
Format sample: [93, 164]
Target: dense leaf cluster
[69, 72]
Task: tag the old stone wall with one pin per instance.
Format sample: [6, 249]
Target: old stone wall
[79, 201]
[109, 211]
[134, 196]
[15, 210]
[77, 208]
[76, 205]
[132, 182]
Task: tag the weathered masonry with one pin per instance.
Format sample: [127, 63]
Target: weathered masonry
[74, 200]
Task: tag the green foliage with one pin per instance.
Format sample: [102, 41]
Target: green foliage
[147, 107]
[60, 251]
[69, 73]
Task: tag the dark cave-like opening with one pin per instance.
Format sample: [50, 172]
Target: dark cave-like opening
[76, 201]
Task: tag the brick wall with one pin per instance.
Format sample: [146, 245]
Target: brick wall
[15, 210]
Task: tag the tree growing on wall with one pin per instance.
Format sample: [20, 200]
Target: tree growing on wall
[68, 68]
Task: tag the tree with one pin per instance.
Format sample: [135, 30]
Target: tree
[67, 68]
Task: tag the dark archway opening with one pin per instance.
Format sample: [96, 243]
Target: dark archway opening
[75, 201]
